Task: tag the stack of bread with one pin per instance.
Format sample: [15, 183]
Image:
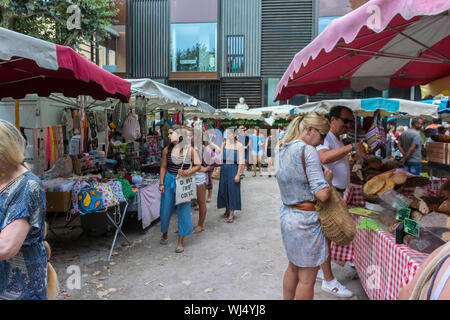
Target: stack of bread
[383, 182]
[365, 167]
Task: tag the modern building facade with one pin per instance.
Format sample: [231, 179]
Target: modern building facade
[221, 50]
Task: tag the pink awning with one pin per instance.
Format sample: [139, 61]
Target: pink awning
[33, 66]
[381, 44]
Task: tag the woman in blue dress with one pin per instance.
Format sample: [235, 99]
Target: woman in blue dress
[304, 241]
[23, 261]
[229, 195]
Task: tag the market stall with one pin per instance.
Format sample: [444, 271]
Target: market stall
[75, 174]
[391, 107]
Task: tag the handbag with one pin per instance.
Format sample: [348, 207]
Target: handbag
[186, 189]
[376, 136]
[337, 224]
[131, 130]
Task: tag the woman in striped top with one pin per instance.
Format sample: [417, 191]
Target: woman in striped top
[176, 161]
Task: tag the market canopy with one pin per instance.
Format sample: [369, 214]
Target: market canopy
[162, 97]
[32, 66]
[250, 114]
[365, 107]
[275, 112]
[381, 44]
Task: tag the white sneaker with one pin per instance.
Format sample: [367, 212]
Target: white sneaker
[319, 275]
[336, 288]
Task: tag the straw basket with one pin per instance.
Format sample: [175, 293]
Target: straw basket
[337, 224]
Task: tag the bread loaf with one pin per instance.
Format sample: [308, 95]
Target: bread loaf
[389, 164]
[389, 185]
[429, 204]
[444, 207]
[374, 185]
[399, 178]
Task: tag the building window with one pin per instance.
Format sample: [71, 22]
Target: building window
[235, 54]
[193, 47]
[269, 91]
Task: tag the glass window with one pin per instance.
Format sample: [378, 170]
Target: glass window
[235, 54]
[269, 91]
[193, 47]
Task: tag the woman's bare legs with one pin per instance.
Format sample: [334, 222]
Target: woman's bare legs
[269, 166]
[201, 199]
[259, 165]
[231, 216]
[298, 283]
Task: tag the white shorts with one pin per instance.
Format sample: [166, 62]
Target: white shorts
[259, 153]
[200, 178]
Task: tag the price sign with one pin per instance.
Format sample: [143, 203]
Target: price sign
[412, 227]
[402, 214]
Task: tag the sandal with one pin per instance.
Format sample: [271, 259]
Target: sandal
[230, 220]
[164, 241]
[179, 249]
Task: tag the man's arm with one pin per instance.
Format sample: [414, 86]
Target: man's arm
[401, 148]
[330, 156]
[408, 154]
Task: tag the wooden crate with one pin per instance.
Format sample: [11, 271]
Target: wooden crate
[438, 152]
[58, 201]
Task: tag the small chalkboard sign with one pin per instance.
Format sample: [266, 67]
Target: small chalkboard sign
[412, 227]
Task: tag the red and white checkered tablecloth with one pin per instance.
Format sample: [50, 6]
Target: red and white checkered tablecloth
[383, 266]
[354, 197]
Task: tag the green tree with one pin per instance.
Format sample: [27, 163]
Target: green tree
[47, 19]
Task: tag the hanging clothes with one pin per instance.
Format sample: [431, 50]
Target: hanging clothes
[59, 140]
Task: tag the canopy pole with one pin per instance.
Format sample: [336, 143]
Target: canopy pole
[17, 113]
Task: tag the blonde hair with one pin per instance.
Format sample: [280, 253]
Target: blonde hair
[12, 144]
[301, 123]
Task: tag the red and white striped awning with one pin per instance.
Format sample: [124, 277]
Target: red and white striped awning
[382, 44]
[33, 66]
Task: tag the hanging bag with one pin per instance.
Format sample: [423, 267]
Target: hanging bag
[337, 224]
[376, 136]
[186, 189]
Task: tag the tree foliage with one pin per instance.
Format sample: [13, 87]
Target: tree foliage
[47, 19]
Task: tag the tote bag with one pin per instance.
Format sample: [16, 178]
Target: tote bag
[186, 189]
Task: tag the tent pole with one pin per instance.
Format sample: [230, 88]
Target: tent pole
[17, 113]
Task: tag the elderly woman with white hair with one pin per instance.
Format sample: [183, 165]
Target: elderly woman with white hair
[23, 260]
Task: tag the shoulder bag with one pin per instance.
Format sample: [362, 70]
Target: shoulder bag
[186, 189]
[337, 224]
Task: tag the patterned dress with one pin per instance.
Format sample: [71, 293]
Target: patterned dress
[24, 277]
[301, 231]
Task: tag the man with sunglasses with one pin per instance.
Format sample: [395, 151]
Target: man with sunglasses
[335, 156]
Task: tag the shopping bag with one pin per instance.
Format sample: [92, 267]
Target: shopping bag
[186, 189]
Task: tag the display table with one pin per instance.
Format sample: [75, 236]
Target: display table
[383, 266]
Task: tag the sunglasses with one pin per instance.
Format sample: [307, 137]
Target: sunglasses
[346, 121]
[322, 135]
